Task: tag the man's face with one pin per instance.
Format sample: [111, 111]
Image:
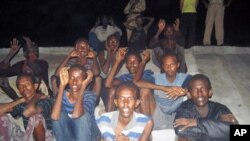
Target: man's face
[126, 102]
[104, 21]
[113, 43]
[76, 76]
[82, 48]
[200, 92]
[170, 65]
[132, 64]
[26, 87]
[169, 31]
[139, 21]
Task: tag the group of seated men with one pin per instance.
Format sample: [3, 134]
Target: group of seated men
[136, 102]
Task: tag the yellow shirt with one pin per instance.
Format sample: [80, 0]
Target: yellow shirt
[189, 6]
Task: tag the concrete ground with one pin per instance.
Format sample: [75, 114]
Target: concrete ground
[227, 67]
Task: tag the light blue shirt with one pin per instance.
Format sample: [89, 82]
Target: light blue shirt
[168, 105]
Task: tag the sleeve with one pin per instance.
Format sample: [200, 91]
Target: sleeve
[185, 82]
[46, 105]
[125, 77]
[207, 128]
[148, 76]
[89, 102]
[17, 111]
[12, 70]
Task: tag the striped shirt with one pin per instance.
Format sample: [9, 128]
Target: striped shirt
[89, 100]
[108, 122]
[147, 76]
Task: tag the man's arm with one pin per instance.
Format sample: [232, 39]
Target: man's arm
[196, 4]
[7, 107]
[127, 24]
[14, 48]
[140, 6]
[95, 68]
[187, 125]
[173, 92]
[145, 59]
[148, 25]
[135, 6]
[65, 61]
[155, 40]
[31, 108]
[147, 131]
[181, 4]
[120, 57]
[110, 58]
[78, 110]
[57, 107]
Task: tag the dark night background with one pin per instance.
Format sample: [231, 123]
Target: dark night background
[60, 22]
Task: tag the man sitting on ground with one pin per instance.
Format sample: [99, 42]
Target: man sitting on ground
[199, 118]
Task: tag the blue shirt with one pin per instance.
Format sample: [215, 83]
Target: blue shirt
[89, 100]
[147, 76]
[168, 105]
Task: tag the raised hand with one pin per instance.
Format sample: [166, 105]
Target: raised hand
[145, 56]
[27, 39]
[161, 25]
[73, 54]
[14, 46]
[64, 76]
[121, 54]
[177, 24]
[89, 78]
[91, 54]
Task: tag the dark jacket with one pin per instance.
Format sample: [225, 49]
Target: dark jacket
[210, 128]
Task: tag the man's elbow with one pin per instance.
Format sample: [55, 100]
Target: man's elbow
[179, 132]
[54, 117]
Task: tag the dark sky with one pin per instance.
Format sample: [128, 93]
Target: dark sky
[60, 22]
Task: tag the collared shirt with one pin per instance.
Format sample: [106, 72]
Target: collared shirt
[108, 122]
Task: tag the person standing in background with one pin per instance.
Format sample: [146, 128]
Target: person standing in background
[215, 15]
[188, 21]
[133, 9]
